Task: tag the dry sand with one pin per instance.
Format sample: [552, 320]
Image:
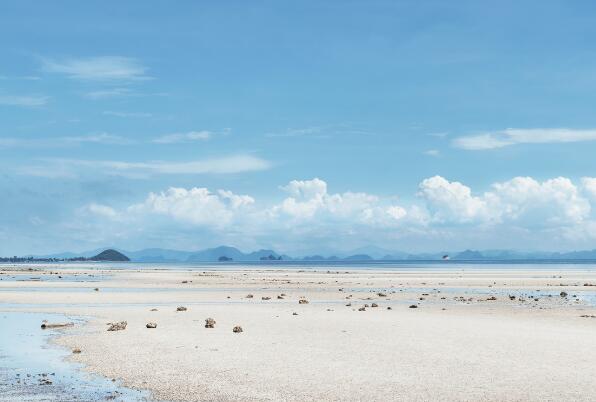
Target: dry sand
[450, 348]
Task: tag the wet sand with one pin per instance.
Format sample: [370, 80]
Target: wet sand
[467, 340]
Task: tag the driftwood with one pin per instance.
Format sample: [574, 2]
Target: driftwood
[48, 325]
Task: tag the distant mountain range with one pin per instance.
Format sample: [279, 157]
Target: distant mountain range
[227, 253]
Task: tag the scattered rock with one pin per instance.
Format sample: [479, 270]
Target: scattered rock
[49, 325]
[181, 308]
[249, 296]
[294, 313]
[76, 351]
[117, 326]
[389, 308]
[96, 289]
[184, 281]
[374, 305]
[237, 329]
[280, 297]
[563, 294]
[381, 294]
[209, 323]
[151, 325]
[413, 306]
[265, 298]
[362, 309]
[587, 316]
[153, 309]
[302, 301]
[492, 298]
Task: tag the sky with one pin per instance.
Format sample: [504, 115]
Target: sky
[305, 127]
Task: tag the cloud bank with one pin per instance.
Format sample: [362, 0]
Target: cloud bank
[310, 215]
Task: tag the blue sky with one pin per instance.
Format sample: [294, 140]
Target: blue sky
[326, 125]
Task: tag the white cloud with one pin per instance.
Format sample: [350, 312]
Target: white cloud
[432, 152]
[183, 137]
[24, 100]
[519, 211]
[78, 167]
[522, 200]
[108, 93]
[451, 201]
[126, 114]
[102, 68]
[102, 211]
[98, 138]
[512, 136]
[589, 186]
[196, 206]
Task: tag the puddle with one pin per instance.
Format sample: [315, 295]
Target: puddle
[33, 370]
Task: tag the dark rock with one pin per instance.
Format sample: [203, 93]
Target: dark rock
[151, 325]
[209, 323]
[117, 326]
[237, 329]
[181, 308]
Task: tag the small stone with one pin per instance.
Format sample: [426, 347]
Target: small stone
[76, 351]
[492, 298]
[381, 294]
[237, 329]
[209, 323]
[151, 325]
[374, 305]
[413, 306]
[265, 298]
[249, 296]
[362, 309]
[563, 294]
[153, 309]
[96, 289]
[302, 301]
[280, 297]
[184, 281]
[389, 308]
[294, 313]
[181, 308]
[117, 326]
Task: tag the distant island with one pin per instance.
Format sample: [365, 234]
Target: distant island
[108, 255]
[228, 254]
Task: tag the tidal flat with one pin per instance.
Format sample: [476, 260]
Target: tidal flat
[466, 333]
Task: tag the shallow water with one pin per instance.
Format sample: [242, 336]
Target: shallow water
[33, 370]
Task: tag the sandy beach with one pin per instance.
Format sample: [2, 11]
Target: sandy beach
[476, 334]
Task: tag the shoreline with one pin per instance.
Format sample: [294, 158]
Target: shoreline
[458, 344]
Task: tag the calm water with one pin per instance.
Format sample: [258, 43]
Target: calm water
[33, 370]
[431, 265]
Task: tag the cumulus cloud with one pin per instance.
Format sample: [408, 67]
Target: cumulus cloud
[195, 206]
[451, 201]
[521, 199]
[519, 209]
[513, 136]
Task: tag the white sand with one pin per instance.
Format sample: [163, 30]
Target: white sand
[479, 350]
